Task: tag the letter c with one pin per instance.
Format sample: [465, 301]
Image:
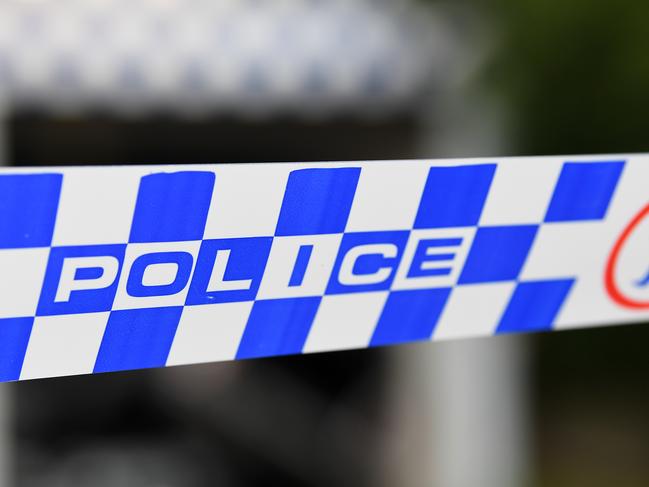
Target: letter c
[347, 276]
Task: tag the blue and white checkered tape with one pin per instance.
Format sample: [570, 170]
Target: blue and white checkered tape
[116, 268]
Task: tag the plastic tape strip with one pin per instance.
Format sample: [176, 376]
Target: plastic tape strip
[115, 268]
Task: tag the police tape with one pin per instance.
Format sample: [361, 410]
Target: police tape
[116, 268]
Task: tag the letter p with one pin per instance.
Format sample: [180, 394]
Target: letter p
[81, 279]
[85, 273]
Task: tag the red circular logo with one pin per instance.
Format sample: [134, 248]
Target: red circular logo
[625, 284]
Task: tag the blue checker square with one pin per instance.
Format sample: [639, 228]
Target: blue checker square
[28, 205]
[246, 261]
[454, 196]
[172, 207]
[14, 336]
[534, 306]
[137, 338]
[410, 316]
[367, 261]
[278, 327]
[498, 253]
[584, 191]
[317, 201]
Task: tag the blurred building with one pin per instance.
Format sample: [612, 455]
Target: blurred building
[111, 81]
[239, 57]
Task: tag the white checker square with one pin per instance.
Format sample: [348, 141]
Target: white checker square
[567, 250]
[155, 274]
[631, 194]
[246, 201]
[473, 310]
[387, 197]
[588, 304]
[402, 279]
[96, 207]
[209, 333]
[520, 192]
[63, 345]
[21, 278]
[345, 321]
[281, 262]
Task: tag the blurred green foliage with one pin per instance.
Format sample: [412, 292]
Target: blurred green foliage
[574, 73]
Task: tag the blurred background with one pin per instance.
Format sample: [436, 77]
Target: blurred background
[186, 81]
